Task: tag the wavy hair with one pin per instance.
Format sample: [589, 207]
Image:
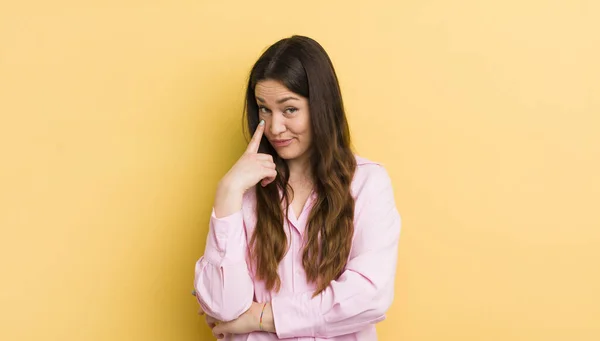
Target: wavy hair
[303, 66]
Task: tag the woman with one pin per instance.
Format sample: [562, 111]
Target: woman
[303, 234]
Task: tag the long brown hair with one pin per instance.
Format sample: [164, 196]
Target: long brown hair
[303, 66]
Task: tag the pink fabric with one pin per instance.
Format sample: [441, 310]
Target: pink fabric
[348, 309]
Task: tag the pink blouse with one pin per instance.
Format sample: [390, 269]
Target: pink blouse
[348, 309]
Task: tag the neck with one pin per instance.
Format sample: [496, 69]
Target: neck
[300, 169]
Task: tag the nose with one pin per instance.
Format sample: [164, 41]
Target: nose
[277, 126]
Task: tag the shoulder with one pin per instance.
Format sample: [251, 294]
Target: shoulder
[369, 176]
[375, 211]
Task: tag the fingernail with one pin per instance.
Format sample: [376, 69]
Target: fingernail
[261, 123]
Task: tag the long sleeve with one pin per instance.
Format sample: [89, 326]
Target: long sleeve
[224, 287]
[365, 290]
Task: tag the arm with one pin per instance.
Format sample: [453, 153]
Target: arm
[224, 287]
[363, 293]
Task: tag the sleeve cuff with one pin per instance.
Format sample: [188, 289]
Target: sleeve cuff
[226, 239]
[297, 316]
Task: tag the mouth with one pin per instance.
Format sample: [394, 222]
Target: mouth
[281, 143]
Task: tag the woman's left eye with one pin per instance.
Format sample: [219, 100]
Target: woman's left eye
[291, 110]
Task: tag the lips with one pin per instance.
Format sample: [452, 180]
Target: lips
[281, 143]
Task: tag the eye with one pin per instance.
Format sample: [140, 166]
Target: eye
[290, 110]
[263, 110]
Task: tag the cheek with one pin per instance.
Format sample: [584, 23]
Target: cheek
[301, 126]
[305, 138]
[267, 124]
[306, 131]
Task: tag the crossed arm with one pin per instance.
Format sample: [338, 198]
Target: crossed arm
[358, 298]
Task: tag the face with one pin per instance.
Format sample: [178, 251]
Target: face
[287, 119]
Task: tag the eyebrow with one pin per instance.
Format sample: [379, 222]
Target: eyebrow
[279, 101]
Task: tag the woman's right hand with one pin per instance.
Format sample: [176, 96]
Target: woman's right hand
[251, 168]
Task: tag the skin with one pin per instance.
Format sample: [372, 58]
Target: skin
[248, 322]
[285, 117]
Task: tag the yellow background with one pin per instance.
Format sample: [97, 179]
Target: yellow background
[119, 117]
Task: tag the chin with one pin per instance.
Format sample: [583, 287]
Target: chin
[287, 155]
[290, 154]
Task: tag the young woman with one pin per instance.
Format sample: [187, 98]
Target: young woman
[303, 234]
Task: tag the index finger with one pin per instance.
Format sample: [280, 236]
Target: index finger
[255, 141]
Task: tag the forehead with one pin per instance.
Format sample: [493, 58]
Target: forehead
[271, 89]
